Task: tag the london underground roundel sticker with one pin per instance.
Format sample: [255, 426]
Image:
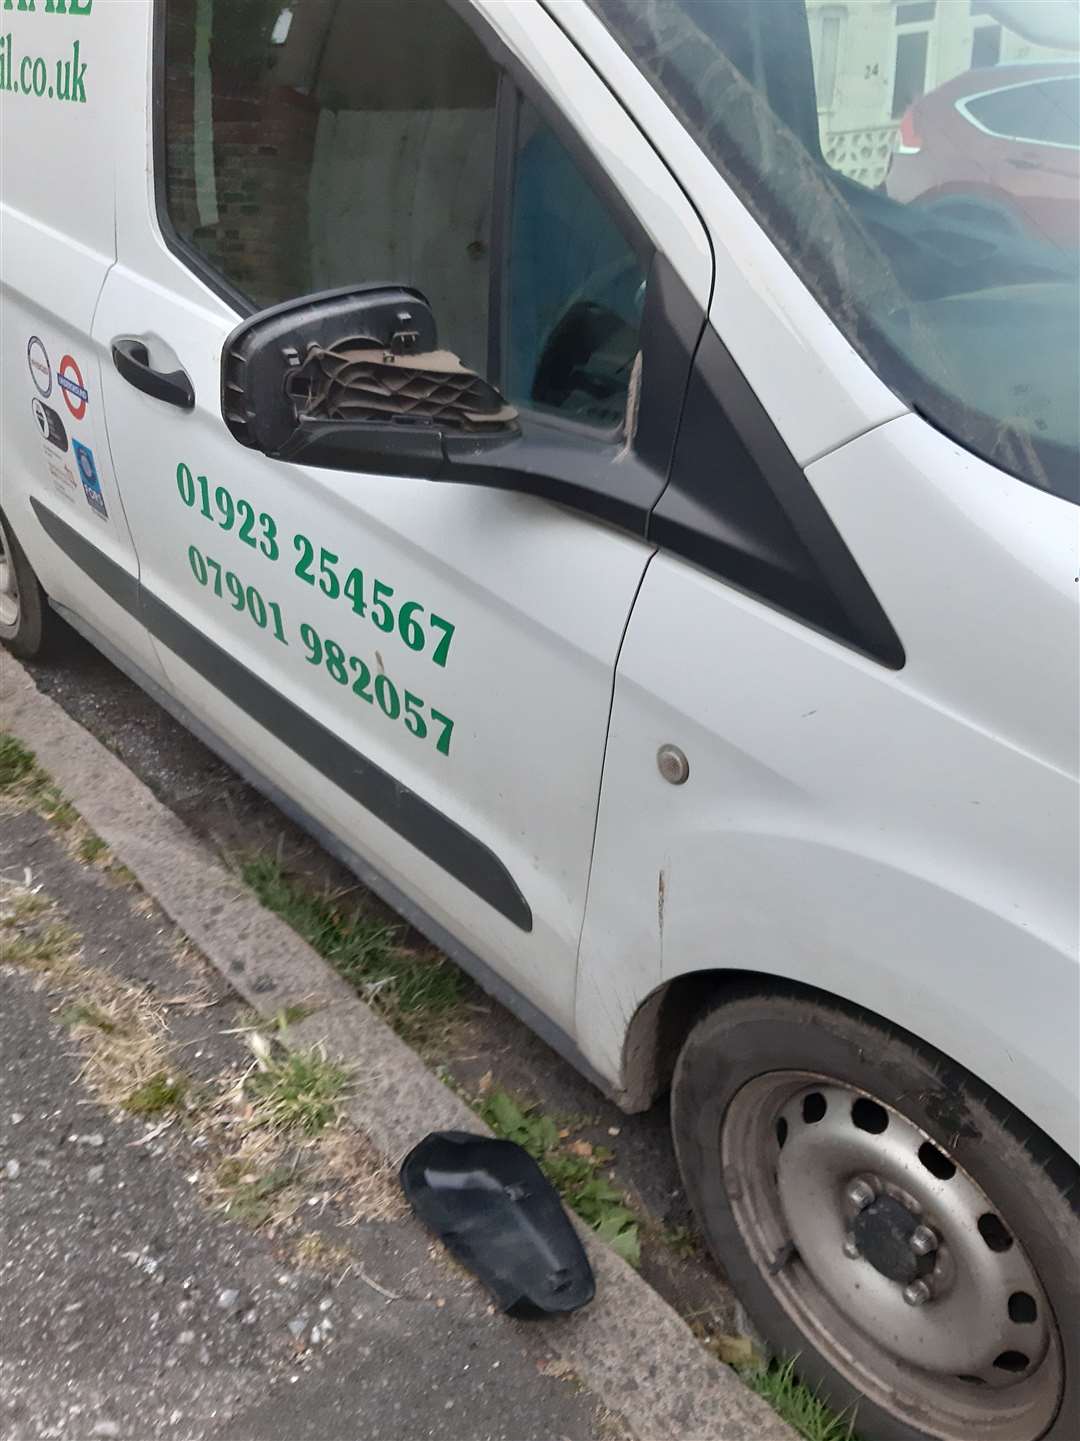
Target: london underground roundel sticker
[37, 358]
[69, 378]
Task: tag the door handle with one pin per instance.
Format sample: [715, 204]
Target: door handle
[132, 360]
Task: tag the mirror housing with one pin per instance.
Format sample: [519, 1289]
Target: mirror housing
[353, 379]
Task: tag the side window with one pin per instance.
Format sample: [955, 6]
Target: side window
[1046, 112]
[576, 288]
[312, 145]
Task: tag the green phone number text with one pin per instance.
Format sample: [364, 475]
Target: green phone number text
[376, 689]
[259, 530]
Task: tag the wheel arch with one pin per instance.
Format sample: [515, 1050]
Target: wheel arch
[660, 1025]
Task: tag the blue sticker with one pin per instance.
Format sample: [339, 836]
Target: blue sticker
[89, 477]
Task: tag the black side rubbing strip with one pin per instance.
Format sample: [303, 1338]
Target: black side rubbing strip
[112, 578]
[429, 830]
[739, 505]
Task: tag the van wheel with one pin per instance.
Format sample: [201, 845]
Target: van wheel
[27, 625]
[885, 1219]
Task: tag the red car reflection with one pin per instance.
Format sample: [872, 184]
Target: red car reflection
[998, 147]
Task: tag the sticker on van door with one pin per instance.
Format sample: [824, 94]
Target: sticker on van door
[89, 477]
[69, 379]
[61, 475]
[50, 425]
[37, 358]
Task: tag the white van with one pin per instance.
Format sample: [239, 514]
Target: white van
[555, 450]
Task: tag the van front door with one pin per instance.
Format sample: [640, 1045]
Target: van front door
[425, 669]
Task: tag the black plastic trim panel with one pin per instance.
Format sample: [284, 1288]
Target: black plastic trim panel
[434, 834]
[739, 505]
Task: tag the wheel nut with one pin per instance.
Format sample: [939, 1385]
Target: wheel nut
[922, 1241]
[860, 1195]
[917, 1293]
[851, 1250]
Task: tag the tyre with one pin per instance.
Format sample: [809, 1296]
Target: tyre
[27, 625]
[884, 1218]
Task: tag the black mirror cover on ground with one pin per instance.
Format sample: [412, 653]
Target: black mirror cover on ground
[495, 1210]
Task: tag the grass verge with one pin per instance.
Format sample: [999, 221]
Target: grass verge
[24, 785]
[575, 1168]
[406, 986]
[801, 1408]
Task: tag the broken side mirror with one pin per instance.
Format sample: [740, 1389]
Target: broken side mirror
[353, 379]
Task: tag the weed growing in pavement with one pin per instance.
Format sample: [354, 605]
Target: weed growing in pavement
[402, 984]
[49, 948]
[16, 762]
[91, 848]
[574, 1168]
[56, 810]
[801, 1408]
[119, 1026]
[680, 1240]
[86, 1013]
[250, 1021]
[255, 1198]
[21, 903]
[302, 1090]
[161, 1092]
[24, 785]
[313, 1252]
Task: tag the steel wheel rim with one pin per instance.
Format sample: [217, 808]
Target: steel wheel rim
[10, 604]
[798, 1169]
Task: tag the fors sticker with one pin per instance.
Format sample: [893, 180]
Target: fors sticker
[84, 456]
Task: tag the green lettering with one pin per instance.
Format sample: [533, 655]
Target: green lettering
[78, 88]
[80, 7]
[55, 7]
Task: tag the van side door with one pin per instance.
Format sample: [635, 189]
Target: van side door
[59, 113]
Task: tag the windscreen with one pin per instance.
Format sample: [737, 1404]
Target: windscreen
[919, 164]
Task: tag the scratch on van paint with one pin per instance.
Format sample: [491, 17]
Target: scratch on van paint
[661, 889]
